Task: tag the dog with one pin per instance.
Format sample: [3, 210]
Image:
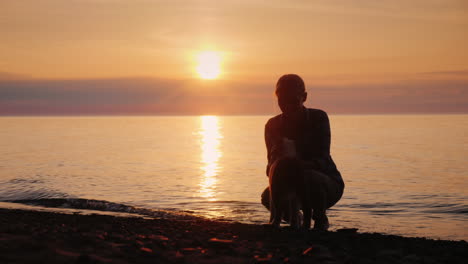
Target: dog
[288, 189]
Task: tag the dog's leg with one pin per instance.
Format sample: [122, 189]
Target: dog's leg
[276, 217]
[294, 212]
[275, 212]
[272, 210]
[307, 210]
[306, 202]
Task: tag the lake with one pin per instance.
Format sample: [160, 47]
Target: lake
[404, 174]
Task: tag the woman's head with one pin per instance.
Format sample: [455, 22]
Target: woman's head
[291, 93]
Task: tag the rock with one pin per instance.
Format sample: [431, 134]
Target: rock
[263, 260]
[347, 230]
[160, 238]
[66, 253]
[220, 241]
[411, 259]
[318, 252]
[307, 251]
[242, 251]
[145, 249]
[83, 259]
[388, 256]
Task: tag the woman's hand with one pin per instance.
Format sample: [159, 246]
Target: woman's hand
[289, 148]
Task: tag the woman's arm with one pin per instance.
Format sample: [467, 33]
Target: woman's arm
[322, 139]
[324, 135]
[269, 145]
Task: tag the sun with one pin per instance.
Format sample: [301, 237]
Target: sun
[209, 64]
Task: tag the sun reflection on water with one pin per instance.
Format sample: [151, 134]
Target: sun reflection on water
[210, 155]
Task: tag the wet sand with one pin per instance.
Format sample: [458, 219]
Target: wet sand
[45, 237]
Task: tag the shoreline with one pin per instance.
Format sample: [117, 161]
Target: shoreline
[50, 237]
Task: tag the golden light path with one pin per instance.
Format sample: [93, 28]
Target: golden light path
[210, 155]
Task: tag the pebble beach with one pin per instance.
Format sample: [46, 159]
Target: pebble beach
[48, 237]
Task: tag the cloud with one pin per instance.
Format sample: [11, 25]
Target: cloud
[75, 96]
[143, 96]
[408, 96]
[12, 76]
[127, 96]
[460, 73]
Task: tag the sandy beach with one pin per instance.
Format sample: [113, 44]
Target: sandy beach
[46, 237]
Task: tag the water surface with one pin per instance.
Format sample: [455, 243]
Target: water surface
[404, 174]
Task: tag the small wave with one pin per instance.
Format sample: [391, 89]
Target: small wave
[381, 205]
[23, 181]
[18, 194]
[387, 212]
[244, 211]
[106, 206]
[395, 208]
[448, 209]
[232, 202]
[78, 204]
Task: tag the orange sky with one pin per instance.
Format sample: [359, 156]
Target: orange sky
[355, 56]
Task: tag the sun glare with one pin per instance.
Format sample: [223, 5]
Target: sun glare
[209, 64]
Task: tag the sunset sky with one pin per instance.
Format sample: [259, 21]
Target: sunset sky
[141, 56]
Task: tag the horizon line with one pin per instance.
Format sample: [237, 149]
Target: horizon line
[189, 115]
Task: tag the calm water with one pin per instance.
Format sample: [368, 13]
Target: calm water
[404, 174]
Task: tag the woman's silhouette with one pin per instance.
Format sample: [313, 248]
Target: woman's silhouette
[309, 129]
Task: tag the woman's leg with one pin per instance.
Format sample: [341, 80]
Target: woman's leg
[323, 193]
